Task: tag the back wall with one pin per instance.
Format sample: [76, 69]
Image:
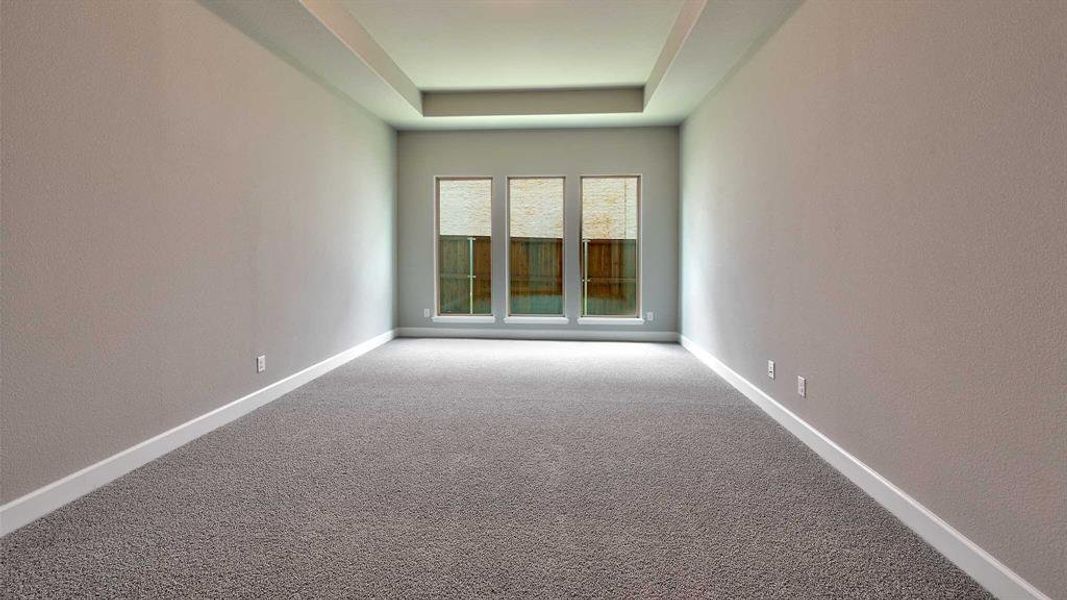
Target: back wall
[651, 152]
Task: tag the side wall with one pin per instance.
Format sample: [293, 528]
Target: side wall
[651, 152]
[176, 201]
[877, 202]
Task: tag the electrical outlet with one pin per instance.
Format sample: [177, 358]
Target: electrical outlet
[802, 386]
[426, 313]
[650, 316]
[770, 369]
[261, 363]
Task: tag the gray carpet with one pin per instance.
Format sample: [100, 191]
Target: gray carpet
[463, 468]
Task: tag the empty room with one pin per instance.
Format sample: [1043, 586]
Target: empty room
[533, 299]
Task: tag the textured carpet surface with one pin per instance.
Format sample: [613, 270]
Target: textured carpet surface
[464, 468]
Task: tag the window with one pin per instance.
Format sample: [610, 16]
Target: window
[609, 248]
[464, 255]
[535, 246]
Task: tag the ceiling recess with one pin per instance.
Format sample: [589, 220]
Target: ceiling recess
[679, 60]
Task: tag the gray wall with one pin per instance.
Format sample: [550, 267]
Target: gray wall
[876, 201]
[651, 152]
[176, 201]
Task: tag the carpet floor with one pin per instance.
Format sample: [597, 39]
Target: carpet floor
[477, 468]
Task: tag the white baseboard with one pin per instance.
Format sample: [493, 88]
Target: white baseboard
[968, 556]
[538, 334]
[42, 501]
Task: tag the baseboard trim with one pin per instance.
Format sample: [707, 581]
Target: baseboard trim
[538, 334]
[967, 555]
[38, 503]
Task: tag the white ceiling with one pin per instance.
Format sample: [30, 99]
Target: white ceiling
[497, 64]
[520, 44]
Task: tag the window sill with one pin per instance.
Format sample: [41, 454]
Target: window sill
[464, 319]
[611, 321]
[535, 320]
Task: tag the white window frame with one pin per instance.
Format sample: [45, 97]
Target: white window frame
[560, 319]
[455, 318]
[609, 319]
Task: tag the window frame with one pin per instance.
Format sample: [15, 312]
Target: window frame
[437, 316]
[510, 317]
[637, 319]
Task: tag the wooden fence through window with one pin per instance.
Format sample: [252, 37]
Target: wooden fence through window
[536, 276]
